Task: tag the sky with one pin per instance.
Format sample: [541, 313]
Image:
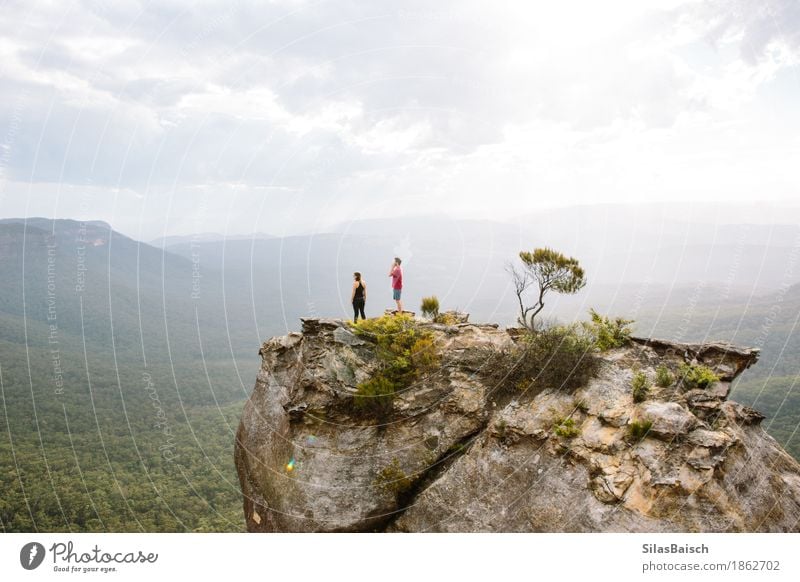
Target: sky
[292, 116]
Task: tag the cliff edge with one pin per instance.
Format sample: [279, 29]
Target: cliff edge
[456, 454]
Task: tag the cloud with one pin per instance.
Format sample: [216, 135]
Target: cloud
[341, 103]
[758, 29]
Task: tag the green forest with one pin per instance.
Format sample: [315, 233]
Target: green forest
[120, 399]
[119, 453]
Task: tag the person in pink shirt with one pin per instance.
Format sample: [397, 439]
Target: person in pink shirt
[396, 273]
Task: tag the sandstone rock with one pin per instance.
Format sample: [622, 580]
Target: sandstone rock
[669, 419]
[282, 343]
[599, 436]
[454, 457]
[727, 360]
[457, 316]
[613, 480]
[713, 439]
[395, 312]
[316, 325]
[703, 458]
[742, 414]
[347, 337]
[704, 404]
[307, 461]
[608, 396]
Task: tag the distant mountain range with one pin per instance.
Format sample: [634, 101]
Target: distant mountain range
[165, 242]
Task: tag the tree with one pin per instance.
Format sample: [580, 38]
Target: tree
[548, 270]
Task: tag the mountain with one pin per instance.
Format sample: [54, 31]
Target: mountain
[463, 263]
[332, 440]
[165, 242]
[646, 256]
[47, 223]
[119, 386]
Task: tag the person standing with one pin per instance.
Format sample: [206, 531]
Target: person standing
[396, 273]
[358, 296]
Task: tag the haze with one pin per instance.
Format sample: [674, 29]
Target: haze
[168, 119]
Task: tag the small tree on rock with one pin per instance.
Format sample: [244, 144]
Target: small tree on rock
[545, 270]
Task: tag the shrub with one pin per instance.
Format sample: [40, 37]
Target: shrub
[638, 429]
[698, 376]
[560, 357]
[376, 395]
[404, 353]
[581, 405]
[430, 307]
[446, 319]
[565, 427]
[609, 333]
[387, 329]
[640, 386]
[393, 479]
[664, 377]
[394, 337]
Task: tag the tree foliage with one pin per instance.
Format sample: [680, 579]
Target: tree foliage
[545, 270]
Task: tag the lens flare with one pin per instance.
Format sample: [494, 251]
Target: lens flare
[290, 465]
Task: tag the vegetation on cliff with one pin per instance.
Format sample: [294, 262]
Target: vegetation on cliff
[609, 333]
[405, 352]
[577, 447]
[559, 357]
[697, 376]
[640, 386]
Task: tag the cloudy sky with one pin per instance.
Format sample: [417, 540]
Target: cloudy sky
[289, 116]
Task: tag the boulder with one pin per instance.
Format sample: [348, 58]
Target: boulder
[456, 454]
[670, 419]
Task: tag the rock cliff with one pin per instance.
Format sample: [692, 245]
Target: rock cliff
[455, 456]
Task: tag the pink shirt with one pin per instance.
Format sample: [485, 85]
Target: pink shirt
[397, 278]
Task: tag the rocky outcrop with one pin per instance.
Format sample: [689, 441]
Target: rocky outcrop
[727, 360]
[454, 456]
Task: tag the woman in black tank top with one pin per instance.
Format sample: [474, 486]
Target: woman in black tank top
[358, 296]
